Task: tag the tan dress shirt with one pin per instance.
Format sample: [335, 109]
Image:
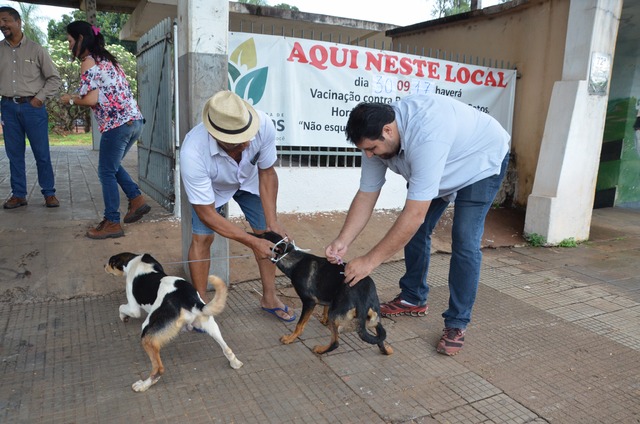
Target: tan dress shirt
[27, 70]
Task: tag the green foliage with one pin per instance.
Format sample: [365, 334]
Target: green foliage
[58, 30]
[109, 23]
[64, 116]
[444, 8]
[30, 18]
[128, 63]
[535, 240]
[255, 2]
[570, 242]
[286, 6]
[67, 139]
[72, 139]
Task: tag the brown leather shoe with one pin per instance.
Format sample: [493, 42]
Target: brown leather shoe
[137, 208]
[106, 229]
[15, 202]
[51, 201]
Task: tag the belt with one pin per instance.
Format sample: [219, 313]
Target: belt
[18, 99]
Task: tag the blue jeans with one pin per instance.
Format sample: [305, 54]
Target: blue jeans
[114, 145]
[19, 120]
[251, 206]
[471, 206]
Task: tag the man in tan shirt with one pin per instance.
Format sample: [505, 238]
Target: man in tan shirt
[27, 77]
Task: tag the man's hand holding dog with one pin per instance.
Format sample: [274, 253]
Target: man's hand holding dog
[276, 227]
[336, 251]
[357, 269]
[262, 248]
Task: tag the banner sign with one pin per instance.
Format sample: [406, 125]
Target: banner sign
[309, 87]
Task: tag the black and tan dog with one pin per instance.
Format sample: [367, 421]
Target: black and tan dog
[171, 302]
[317, 281]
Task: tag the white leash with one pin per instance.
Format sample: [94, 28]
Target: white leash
[209, 259]
[273, 251]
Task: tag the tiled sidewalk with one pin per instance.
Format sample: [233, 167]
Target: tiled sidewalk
[554, 338]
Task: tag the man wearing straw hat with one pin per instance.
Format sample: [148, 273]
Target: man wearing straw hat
[231, 155]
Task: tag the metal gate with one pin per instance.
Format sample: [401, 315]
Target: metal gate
[156, 149]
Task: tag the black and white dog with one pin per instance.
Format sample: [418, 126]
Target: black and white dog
[317, 281]
[171, 302]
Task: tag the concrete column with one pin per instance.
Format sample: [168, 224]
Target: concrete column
[203, 28]
[90, 9]
[561, 201]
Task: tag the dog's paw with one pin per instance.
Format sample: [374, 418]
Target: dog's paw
[143, 385]
[320, 349]
[124, 318]
[287, 339]
[235, 363]
[140, 386]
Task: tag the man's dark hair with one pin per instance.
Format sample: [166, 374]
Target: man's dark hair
[11, 11]
[366, 121]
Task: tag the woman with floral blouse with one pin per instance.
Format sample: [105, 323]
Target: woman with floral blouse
[104, 88]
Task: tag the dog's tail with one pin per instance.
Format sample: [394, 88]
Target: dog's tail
[380, 336]
[219, 300]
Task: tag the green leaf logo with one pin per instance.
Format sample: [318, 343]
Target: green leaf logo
[244, 80]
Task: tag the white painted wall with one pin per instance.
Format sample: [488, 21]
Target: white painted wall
[310, 190]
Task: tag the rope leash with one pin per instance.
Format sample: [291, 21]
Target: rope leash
[273, 251]
[210, 259]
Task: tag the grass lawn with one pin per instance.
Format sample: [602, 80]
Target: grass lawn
[65, 140]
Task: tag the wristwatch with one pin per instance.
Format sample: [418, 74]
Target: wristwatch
[71, 101]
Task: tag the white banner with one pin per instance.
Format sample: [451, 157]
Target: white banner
[309, 87]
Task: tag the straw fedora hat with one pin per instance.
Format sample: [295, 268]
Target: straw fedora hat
[230, 119]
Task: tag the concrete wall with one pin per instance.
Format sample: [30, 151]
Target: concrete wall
[311, 190]
[529, 34]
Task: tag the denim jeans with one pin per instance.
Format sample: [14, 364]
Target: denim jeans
[471, 206]
[19, 120]
[114, 145]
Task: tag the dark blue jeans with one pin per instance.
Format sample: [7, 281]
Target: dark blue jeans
[19, 120]
[114, 145]
[471, 206]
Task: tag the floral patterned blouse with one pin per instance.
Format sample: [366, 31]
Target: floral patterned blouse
[116, 105]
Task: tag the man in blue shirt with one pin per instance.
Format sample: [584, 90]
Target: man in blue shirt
[448, 152]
